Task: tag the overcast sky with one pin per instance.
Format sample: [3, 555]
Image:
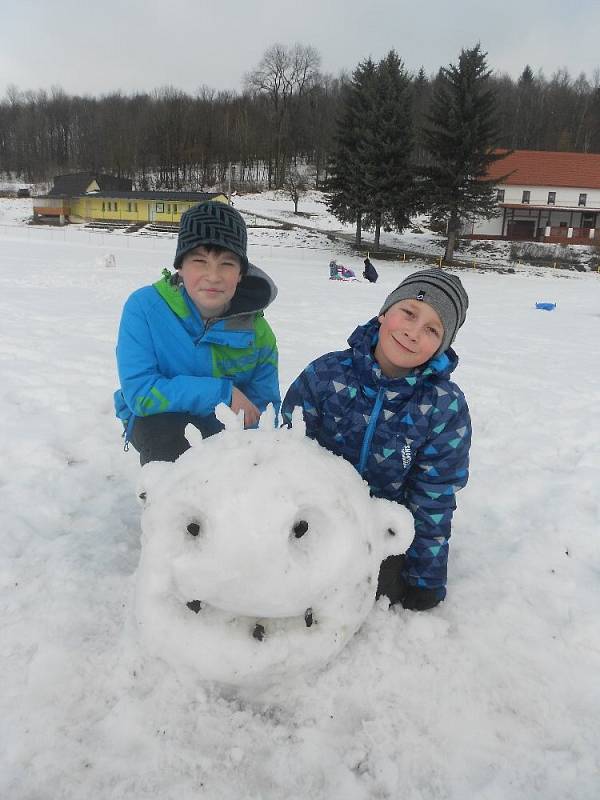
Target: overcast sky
[99, 47]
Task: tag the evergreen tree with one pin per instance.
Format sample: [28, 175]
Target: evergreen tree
[386, 150]
[346, 185]
[460, 135]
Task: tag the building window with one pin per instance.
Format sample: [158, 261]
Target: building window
[551, 198]
[135, 207]
[582, 199]
[526, 196]
[103, 206]
[168, 208]
[500, 196]
[160, 208]
[128, 206]
[175, 208]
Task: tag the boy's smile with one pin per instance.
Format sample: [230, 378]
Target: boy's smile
[410, 332]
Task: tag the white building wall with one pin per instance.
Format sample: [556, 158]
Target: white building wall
[565, 195]
[566, 198]
[486, 227]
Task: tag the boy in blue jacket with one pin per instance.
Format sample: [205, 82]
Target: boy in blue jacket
[197, 338]
[388, 406]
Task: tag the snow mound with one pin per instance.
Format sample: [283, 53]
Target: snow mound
[260, 553]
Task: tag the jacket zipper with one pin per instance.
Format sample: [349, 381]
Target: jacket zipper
[369, 433]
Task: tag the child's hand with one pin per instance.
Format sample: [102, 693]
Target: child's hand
[239, 402]
[393, 585]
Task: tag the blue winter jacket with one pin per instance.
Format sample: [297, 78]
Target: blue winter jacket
[170, 360]
[408, 437]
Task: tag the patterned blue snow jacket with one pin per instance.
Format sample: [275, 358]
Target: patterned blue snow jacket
[408, 437]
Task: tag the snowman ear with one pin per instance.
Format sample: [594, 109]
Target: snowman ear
[193, 435]
[231, 420]
[268, 419]
[298, 424]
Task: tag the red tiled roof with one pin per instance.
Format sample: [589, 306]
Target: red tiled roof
[545, 168]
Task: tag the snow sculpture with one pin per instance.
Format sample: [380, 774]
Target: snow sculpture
[108, 260]
[260, 553]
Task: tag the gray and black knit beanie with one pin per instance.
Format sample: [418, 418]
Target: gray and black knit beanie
[441, 290]
[212, 223]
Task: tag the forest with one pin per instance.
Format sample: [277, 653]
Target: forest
[287, 114]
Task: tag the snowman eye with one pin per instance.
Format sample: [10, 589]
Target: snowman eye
[193, 528]
[300, 528]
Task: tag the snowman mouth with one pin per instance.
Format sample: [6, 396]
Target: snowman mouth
[259, 629]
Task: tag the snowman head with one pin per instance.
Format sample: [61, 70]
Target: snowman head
[260, 554]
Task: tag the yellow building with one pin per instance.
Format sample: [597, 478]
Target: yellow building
[84, 197]
[141, 207]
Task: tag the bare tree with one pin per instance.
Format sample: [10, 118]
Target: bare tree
[296, 184]
[284, 73]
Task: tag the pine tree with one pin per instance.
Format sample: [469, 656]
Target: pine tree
[346, 183]
[460, 135]
[386, 150]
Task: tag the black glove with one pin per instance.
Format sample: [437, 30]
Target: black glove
[395, 587]
[391, 581]
[417, 599]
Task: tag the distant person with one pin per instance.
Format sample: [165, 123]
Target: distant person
[333, 270]
[197, 338]
[369, 272]
[387, 405]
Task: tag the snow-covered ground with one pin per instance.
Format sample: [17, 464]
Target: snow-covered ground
[494, 694]
[418, 239]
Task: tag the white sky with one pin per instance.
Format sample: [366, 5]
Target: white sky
[95, 48]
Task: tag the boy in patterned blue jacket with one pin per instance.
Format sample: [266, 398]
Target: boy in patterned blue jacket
[388, 406]
[197, 338]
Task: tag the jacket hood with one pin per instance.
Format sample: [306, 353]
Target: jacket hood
[254, 293]
[363, 341]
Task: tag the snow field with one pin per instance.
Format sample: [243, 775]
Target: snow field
[493, 694]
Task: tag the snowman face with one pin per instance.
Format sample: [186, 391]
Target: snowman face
[260, 556]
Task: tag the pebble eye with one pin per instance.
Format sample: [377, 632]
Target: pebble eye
[193, 529]
[300, 528]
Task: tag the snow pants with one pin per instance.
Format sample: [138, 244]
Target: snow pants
[161, 437]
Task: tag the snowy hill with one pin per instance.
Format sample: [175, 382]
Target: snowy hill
[492, 695]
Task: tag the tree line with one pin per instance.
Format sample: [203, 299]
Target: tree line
[378, 180]
[286, 115]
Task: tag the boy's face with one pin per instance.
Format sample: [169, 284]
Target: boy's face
[210, 279]
[410, 333]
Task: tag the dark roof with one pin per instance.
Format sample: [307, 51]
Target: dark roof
[546, 168]
[75, 183]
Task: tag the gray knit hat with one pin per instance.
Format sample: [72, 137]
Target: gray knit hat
[212, 223]
[441, 290]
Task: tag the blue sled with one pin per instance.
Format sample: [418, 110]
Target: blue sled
[546, 306]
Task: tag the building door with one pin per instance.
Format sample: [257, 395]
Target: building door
[588, 220]
[521, 229]
[151, 211]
